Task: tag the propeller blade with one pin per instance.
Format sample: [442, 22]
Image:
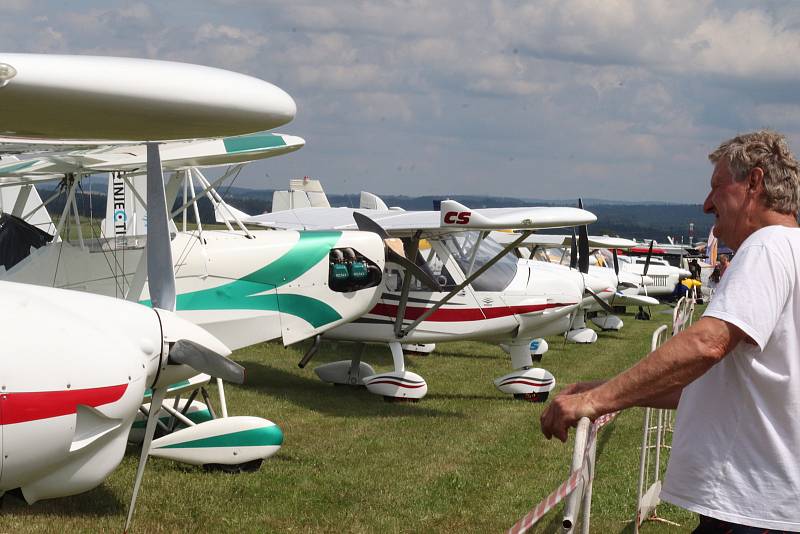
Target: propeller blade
[583, 244]
[616, 262]
[583, 249]
[603, 304]
[647, 260]
[413, 269]
[152, 420]
[160, 277]
[366, 224]
[205, 360]
[573, 251]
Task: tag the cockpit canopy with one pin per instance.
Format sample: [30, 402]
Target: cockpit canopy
[471, 253]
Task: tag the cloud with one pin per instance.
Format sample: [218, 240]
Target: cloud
[618, 98]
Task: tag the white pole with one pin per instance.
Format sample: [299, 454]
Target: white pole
[573, 506]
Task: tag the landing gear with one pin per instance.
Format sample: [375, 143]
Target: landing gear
[532, 397]
[526, 382]
[608, 322]
[581, 333]
[398, 384]
[642, 315]
[246, 467]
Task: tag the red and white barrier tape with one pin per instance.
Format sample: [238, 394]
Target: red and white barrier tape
[566, 487]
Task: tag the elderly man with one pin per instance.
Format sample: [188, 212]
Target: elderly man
[735, 374]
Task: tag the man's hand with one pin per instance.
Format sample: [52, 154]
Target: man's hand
[566, 409]
[580, 387]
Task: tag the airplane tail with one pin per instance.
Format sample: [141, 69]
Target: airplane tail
[368, 201]
[302, 193]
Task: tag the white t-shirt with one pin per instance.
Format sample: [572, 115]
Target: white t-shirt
[736, 448]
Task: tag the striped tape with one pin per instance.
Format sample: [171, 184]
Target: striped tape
[568, 486]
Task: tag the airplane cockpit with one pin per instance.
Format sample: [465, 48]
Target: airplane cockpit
[470, 251]
[473, 250]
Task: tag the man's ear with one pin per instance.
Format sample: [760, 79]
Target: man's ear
[755, 179]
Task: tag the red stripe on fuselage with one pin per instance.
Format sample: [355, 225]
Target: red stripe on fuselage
[27, 406]
[462, 314]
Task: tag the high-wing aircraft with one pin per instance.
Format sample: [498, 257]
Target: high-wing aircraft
[66, 426]
[622, 287]
[470, 288]
[243, 286]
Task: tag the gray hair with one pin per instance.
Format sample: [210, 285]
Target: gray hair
[769, 151]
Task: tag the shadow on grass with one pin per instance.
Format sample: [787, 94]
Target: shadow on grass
[462, 396]
[315, 395]
[99, 502]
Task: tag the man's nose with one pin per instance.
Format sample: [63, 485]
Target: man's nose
[708, 206]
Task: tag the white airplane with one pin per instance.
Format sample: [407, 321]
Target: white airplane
[243, 286]
[664, 276]
[472, 288]
[622, 288]
[64, 429]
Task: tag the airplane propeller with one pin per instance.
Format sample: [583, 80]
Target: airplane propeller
[573, 251]
[196, 356]
[188, 344]
[644, 274]
[579, 258]
[364, 223]
[647, 259]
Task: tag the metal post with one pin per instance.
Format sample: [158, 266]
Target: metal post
[573, 505]
[587, 494]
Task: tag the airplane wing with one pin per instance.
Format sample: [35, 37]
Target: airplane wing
[566, 240]
[62, 157]
[453, 217]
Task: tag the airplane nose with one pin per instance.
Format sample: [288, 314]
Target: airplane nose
[596, 284]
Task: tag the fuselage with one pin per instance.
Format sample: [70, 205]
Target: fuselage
[242, 290]
[514, 299]
[75, 370]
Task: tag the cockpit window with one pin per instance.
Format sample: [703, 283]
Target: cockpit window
[471, 258]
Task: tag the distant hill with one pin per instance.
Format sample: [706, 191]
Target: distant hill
[644, 220]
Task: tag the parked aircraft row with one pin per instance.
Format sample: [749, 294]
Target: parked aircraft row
[158, 302]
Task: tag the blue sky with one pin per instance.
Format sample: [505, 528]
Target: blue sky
[619, 99]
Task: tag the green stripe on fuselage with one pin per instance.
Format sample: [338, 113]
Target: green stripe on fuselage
[244, 294]
[256, 437]
[258, 141]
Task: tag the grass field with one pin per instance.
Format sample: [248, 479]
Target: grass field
[466, 458]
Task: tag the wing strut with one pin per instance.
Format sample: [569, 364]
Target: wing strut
[413, 249]
[464, 284]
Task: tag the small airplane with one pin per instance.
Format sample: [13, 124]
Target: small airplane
[664, 277]
[64, 430]
[622, 288]
[470, 288]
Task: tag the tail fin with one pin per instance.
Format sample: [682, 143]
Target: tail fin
[302, 193]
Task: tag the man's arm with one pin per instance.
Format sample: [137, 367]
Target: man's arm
[657, 380]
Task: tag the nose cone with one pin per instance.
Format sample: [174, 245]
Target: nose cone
[597, 284]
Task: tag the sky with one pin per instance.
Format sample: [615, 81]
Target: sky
[619, 99]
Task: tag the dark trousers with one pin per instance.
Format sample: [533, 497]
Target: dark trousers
[709, 525]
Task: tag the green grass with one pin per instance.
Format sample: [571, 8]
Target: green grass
[466, 458]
